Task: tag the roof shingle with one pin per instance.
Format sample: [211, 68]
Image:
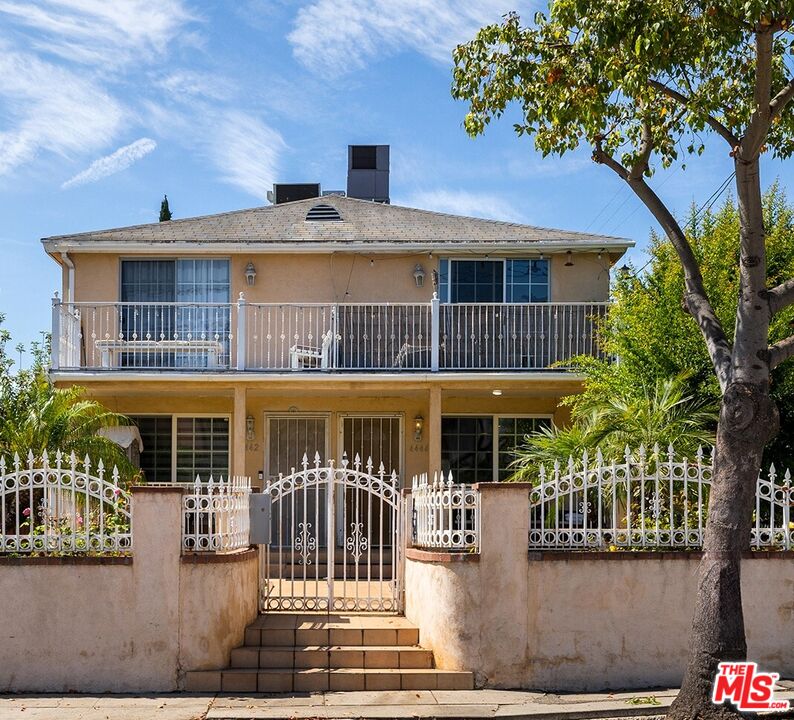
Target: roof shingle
[363, 222]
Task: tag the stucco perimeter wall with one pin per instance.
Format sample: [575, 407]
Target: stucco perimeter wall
[580, 621]
[123, 624]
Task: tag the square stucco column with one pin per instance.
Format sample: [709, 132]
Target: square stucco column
[434, 431]
[156, 551]
[504, 536]
[238, 432]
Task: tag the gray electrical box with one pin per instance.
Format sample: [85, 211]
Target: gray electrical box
[259, 515]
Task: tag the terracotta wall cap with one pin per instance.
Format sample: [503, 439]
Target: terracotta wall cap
[157, 489]
[211, 557]
[434, 556]
[503, 486]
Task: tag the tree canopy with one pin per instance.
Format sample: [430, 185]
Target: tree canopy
[36, 416]
[663, 387]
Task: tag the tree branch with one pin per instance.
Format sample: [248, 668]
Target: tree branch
[696, 300]
[646, 148]
[682, 99]
[781, 297]
[761, 119]
[779, 102]
[781, 351]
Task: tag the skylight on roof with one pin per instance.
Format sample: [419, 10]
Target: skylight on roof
[323, 213]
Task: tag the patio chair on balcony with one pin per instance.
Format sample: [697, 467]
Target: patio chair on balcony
[414, 356]
[303, 357]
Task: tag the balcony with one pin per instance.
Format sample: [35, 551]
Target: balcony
[334, 338]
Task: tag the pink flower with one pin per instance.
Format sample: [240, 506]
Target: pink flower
[117, 492]
[79, 519]
[26, 512]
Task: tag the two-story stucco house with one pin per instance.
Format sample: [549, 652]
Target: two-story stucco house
[334, 323]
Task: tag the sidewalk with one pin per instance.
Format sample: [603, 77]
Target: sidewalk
[388, 704]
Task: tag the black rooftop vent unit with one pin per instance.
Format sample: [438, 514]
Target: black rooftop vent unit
[368, 172]
[323, 213]
[290, 192]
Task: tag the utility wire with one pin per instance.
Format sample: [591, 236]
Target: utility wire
[705, 207]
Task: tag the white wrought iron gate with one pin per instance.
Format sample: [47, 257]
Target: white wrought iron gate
[336, 539]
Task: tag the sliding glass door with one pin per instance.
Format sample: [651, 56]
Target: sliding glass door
[188, 333]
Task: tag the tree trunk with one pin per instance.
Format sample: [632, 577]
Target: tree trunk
[748, 419]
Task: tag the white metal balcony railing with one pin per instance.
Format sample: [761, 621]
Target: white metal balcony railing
[325, 337]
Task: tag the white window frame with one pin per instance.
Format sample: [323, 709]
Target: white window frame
[174, 417]
[175, 259]
[495, 430]
[502, 259]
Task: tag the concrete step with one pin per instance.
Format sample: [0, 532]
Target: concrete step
[304, 652]
[294, 630]
[317, 680]
[327, 657]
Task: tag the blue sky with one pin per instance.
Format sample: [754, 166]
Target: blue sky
[104, 106]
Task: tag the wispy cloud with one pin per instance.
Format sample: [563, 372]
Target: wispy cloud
[98, 31]
[61, 65]
[246, 152]
[113, 163]
[463, 202]
[64, 65]
[190, 84]
[339, 35]
[50, 108]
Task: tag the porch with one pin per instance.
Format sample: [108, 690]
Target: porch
[330, 337]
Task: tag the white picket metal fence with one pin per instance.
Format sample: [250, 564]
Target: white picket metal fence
[215, 515]
[65, 505]
[647, 500]
[446, 515]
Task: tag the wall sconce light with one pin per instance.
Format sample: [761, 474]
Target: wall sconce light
[419, 276]
[249, 427]
[568, 259]
[250, 274]
[419, 426]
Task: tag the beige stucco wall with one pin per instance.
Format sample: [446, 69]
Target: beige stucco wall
[123, 628]
[340, 277]
[582, 622]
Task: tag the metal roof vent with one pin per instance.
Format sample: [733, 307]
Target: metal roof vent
[323, 213]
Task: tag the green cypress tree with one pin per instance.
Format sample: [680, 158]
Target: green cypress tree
[165, 211]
